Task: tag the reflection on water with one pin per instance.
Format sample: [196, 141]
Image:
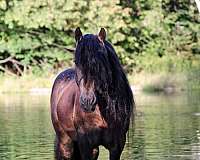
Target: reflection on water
[25, 128]
[165, 128]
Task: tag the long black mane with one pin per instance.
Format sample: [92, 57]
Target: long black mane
[98, 62]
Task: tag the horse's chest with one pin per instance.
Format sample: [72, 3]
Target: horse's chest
[86, 122]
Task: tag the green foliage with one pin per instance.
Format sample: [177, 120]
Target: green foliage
[35, 33]
[160, 30]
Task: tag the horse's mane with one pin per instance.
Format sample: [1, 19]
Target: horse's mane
[99, 62]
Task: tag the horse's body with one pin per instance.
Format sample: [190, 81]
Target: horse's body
[79, 132]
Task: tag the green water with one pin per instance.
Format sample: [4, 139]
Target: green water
[165, 128]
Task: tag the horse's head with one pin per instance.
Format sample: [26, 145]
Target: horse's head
[91, 67]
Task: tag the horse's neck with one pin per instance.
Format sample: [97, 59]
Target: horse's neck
[108, 112]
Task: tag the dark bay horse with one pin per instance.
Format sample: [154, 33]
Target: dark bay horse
[91, 104]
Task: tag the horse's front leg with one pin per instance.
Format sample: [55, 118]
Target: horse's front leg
[64, 148]
[116, 151]
[86, 151]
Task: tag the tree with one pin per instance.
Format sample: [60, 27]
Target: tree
[35, 33]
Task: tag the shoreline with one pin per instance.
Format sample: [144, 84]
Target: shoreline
[141, 82]
[135, 89]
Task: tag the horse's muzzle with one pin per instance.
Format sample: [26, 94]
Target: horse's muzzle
[88, 103]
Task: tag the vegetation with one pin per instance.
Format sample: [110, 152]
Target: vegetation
[164, 35]
[149, 36]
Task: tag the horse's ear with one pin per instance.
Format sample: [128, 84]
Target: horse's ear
[78, 34]
[102, 34]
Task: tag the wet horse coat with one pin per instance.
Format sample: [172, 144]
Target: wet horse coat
[85, 112]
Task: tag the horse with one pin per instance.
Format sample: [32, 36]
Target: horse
[92, 102]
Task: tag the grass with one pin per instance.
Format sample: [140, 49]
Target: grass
[147, 82]
[9, 84]
[167, 74]
[159, 82]
[166, 82]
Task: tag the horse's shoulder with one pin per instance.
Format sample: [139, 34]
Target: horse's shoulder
[66, 75]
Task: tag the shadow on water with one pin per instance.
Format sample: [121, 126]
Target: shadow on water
[165, 127]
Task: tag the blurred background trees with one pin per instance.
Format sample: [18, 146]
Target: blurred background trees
[147, 35]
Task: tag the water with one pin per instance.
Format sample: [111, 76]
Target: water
[167, 127]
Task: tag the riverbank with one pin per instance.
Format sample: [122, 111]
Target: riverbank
[24, 84]
[145, 82]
